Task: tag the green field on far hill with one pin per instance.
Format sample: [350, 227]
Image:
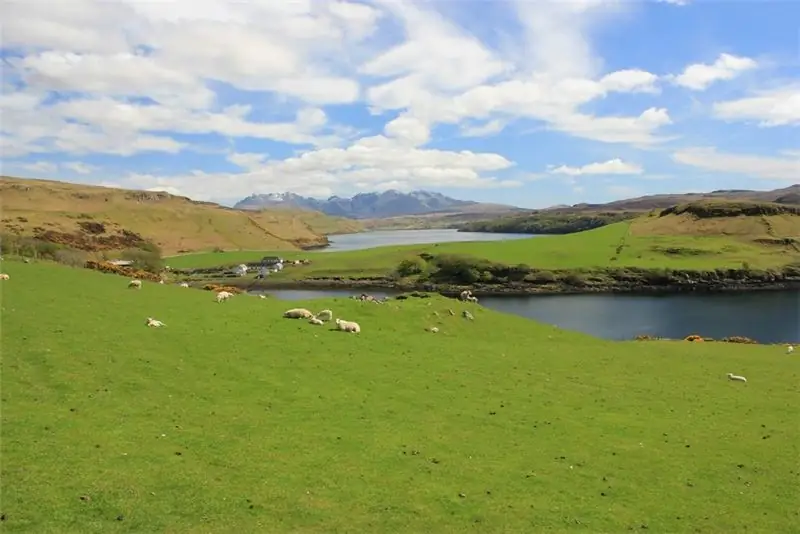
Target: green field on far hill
[233, 419]
[615, 245]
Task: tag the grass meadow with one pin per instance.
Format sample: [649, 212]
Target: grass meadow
[591, 249]
[232, 419]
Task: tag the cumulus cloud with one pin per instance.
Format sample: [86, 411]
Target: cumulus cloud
[768, 168]
[612, 166]
[779, 107]
[700, 76]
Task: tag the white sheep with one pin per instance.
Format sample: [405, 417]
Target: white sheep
[262, 296]
[316, 321]
[732, 376]
[325, 315]
[223, 296]
[465, 294]
[4, 276]
[348, 326]
[298, 313]
[135, 283]
[184, 284]
[472, 299]
[154, 323]
[433, 329]
[789, 349]
[161, 281]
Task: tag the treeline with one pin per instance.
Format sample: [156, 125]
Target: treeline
[547, 223]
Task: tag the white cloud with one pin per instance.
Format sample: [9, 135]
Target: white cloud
[674, 2]
[769, 168]
[40, 167]
[249, 161]
[80, 168]
[779, 107]
[700, 76]
[612, 166]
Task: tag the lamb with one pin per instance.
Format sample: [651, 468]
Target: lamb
[325, 315]
[184, 284]
[4, 276]
[465, 294]
[135, 283]
[316, 321]
[789, 349]
[732, 376]
[154, 322]
[298, 313]
[348, 326]
[223, 296]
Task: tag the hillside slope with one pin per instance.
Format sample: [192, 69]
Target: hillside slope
[69, 214]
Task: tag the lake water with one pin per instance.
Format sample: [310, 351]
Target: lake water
[766, 316]
[381, 238]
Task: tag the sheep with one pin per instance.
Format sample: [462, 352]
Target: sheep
[467, 315]
[433, 329]
[262, 296]
[316, 321]
[154, 322]
[223, 296]
[465, 294]
[184, 284]
[789, 349]
[325, 315]
[472, 299]
[135, 283]
[732, 376]
[4, 276]
[161, 281]
[348, 326]
[298, 313]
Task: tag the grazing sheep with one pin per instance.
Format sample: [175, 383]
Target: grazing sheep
[262, 296]
[472, 299]
[465, 294]
[154, 322]
[348, 326]
[298, 313]
[161, 281]
[325, 315]
[789, 349]
[223, 296]
[4, 276]
[184, 284]
[316, 321]
[732, 376]
[135, 283]
[467, 315]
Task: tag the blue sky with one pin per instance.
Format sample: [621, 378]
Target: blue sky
[528, 102]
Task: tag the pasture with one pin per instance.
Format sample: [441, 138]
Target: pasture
[609, 246]
[233, 419]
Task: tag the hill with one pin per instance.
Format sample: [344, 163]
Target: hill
[369, 205]
[569, 219]
[101, 218]
[215, 423]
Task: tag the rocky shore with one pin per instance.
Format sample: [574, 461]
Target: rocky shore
[734, 283]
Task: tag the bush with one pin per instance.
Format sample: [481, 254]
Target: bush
[574, 279]
[73, 258]
[694, 338]
[739, 339]
[146, 260]
[541, 277]
[411, 267]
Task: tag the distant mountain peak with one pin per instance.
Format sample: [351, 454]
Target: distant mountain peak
[369, 205]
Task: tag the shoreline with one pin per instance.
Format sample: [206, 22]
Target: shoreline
[512, 289]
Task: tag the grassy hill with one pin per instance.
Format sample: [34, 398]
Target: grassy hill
[570, 219]
[231, 418]
[69, 214]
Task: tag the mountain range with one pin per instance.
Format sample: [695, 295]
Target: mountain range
[391, 203]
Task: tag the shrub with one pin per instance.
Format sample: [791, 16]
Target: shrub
[574, 279]
[411, 267]
[71, 257]
[739, 339]
[217, 288]
[147, 260]
[541, 277]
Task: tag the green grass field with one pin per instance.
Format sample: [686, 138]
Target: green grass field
[232, 419]
[584, 250]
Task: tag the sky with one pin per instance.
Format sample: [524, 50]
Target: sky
[525, 102]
